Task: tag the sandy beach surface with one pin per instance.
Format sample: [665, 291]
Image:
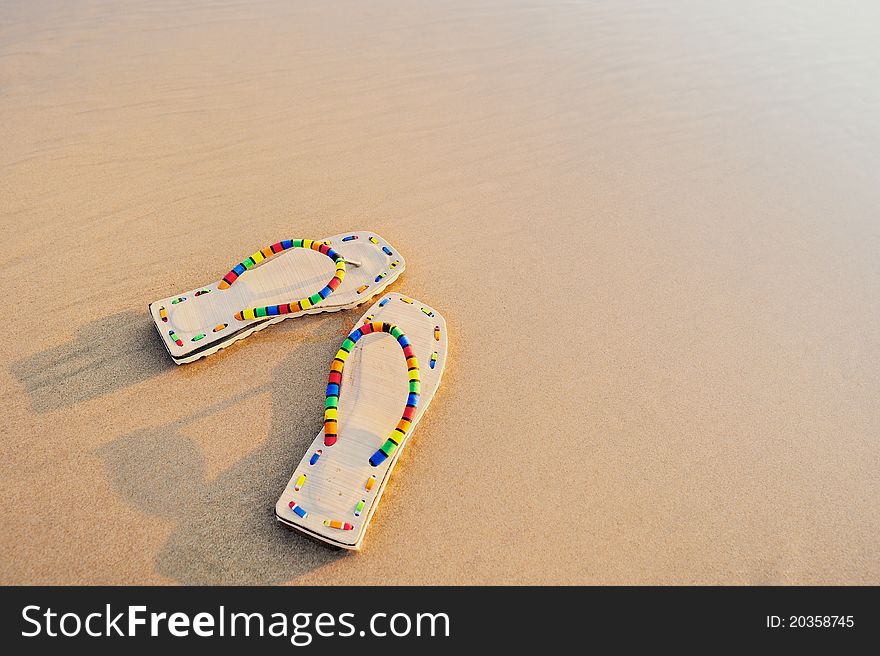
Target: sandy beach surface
[652, 227]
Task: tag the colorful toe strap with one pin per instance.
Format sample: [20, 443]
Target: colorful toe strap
[331, 405]
[296, 306]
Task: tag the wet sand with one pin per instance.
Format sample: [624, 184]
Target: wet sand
[652, 227]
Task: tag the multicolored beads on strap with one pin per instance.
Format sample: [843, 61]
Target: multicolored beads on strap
[331, 405]
[175, 338]
[338, 523]
[299, 510]
[296, 306]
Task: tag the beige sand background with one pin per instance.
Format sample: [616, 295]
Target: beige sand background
[653, 228]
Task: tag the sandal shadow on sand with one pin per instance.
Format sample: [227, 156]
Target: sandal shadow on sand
[287, 279]
[380, 384]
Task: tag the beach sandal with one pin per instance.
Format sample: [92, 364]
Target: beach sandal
[379, 387]
[348, 269]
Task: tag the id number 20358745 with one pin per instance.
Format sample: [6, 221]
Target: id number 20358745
[810, 622]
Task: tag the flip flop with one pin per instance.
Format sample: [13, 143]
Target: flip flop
[376, 395]
[267, 288]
